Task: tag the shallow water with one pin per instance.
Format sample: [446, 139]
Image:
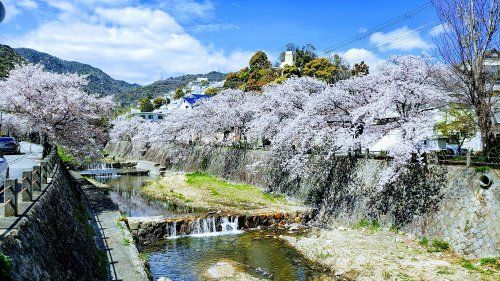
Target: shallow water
[258, 254]
[190, 257]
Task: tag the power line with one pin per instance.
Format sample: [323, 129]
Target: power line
[427, 5]
[394, 41]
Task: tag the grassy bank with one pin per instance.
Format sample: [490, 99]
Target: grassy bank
[202, 191]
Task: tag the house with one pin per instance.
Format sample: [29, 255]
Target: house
[186, 102]
[149, 116]
[199, 86]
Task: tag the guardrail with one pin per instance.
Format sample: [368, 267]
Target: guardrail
[15, 192]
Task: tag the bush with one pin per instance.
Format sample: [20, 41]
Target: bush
[6, 266]
[439, 246]
[482, 169]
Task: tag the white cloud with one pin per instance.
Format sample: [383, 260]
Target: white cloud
[188, 9]
[213, 27]
[355, 55]
[136, 44]
[403, 39]
[28, 4]
[438, 30]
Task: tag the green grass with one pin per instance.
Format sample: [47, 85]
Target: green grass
[6, 267]
[103, 264]
[371, 225]
[125, 242]
[482, 169]
[438, 246]
[66, 157]
[490, 262]
[424, 241]
[236, 191]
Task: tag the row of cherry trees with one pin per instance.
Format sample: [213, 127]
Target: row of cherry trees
[56, 107]
[303, 115]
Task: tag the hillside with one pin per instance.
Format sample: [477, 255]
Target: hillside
[162, 87]
[99, 81]
[8, 58]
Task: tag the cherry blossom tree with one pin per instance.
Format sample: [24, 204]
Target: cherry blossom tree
[55, 106]
[304, 116]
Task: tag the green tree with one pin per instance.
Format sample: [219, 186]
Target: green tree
[211, 91]
[342, 70]
[146, 105]
[158, 102]
[179, 93]
[320, 68]
[458, 124]
[290, 70]
[259, 61]
[360, 69]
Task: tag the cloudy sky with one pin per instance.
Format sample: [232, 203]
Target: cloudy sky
[143, 40]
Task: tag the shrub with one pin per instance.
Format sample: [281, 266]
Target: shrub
[6, 266]
[424, 241]
[438, 246]
[493, 262]
[482, 169]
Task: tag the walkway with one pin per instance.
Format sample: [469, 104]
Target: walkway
[29, 157]
[123, 257]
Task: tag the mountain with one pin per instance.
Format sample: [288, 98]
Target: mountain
[99, 82]
[8, 58]
[162, 87]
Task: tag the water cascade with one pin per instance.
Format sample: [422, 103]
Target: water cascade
[99, 166]
[204, 227]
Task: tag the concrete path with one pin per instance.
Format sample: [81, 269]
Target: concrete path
[31, 154]
[123, 257]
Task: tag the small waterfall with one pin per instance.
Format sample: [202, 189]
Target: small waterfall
[99, 166]
[206, 227]
[229, 224]
[172, 230]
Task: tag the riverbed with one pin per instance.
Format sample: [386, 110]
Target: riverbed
[249, 255]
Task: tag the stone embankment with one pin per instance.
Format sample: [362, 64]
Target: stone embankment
[442, 202]
[53, 239]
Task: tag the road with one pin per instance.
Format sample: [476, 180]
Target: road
[31, 155]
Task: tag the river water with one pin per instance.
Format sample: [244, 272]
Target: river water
[258, 254]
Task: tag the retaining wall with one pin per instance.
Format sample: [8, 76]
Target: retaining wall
[54, 241]
[444, 202]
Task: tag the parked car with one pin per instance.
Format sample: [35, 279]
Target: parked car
[9, 145]
[4, 172]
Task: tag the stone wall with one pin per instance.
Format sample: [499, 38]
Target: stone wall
[54, 240]
[444, 202]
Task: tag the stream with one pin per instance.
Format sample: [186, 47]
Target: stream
[258, 254]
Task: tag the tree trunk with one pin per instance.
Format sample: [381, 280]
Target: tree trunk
[485, 122]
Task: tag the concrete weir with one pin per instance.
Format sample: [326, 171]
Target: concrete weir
[149, 230]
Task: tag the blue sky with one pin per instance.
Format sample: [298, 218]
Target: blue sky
[141, 41]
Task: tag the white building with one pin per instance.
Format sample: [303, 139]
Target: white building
[288, 59]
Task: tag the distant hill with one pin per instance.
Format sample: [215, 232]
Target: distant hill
[99, 82]
[162, 87]
[8, 58]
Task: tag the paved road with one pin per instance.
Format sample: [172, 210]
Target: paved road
[31, 154]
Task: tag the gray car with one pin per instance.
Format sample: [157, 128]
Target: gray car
[9, 145]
